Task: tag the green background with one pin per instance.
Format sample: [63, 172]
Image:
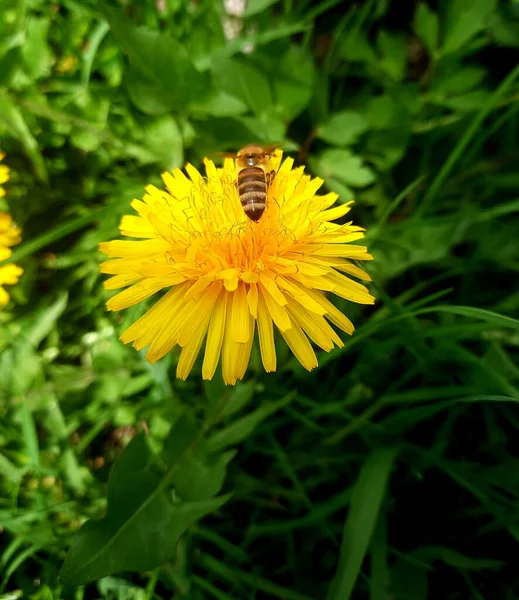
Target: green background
[389, 473]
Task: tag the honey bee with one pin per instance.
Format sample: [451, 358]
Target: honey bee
[253, 180]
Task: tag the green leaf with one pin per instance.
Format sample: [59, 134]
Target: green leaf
[9, 64]
[476, 313]
[36, 53]
[141, 528]
[164, 139]
[292, 81]
[201, 476]
[393, 48]
[244, 82]
[17, 127]
[161, 66]
[343, 165]
[343, 129]
[253, 7]
[426, 25]
[40, 324]
[456, 559]
[366, 501]
[463, 20]
[242, 428]
[357, 48]
[219, 104]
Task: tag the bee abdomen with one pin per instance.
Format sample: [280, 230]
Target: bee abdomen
[252, 180]
[252, 190]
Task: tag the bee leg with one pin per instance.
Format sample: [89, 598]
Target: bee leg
[270, 177]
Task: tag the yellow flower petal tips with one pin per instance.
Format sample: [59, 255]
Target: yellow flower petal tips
[9, 236]
[227, 276]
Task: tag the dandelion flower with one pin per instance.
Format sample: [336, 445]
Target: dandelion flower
[4, 174]
[228, 276]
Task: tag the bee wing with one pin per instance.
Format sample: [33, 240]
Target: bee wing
[225, 154]
[270, 148]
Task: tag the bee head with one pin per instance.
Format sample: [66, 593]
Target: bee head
[251, 155]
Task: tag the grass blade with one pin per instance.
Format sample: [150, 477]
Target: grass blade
[367, 496]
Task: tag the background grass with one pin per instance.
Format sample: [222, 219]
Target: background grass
[389, 472]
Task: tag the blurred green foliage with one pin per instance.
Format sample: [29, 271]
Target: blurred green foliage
[391, 471]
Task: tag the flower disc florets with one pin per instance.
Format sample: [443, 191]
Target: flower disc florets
[228, 275]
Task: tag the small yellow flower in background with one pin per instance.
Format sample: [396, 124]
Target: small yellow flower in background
[4, 174]
[229, 276]
[9, 236]
[66, 64]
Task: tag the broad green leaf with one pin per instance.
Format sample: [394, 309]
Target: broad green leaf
[241, 396]
[454, 78]
[245, 82]
[36, 53]
[343, 129]
[201, 476]
[357, 48]
[291, 82]
[345, 166]
[243, 427]
[253, 7]
[161, 61]
[393, 50]
[9, 64]
[426, 25]
[219, 104]
[146, 94]
[164, 140]
[181, 436]
[143, 523]
[464, 19]
[366, 500]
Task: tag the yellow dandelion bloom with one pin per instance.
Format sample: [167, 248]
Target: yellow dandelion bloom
[4, 174]
[9, 236]
[229, 276]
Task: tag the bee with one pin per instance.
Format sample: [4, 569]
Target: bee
[253, 180]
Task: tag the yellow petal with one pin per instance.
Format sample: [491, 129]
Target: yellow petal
[335, 213]
[333, 314]
[277, 312]
[215, 335]
[300, 346]
[240, 315]
[9, 274]
[252, 300]
[301, 296]
[266, 337]
[272, 288]
[122, 249]
[310, 326]
[133, 226]
[191, 350]
[348, 289]
[135, 294]
[230, 351]
[200, 314]
[4, 297]
[345, 251]
[245, 350]
[121, 280]
[145, 329]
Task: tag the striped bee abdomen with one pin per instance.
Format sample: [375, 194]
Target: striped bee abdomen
[252, 190]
